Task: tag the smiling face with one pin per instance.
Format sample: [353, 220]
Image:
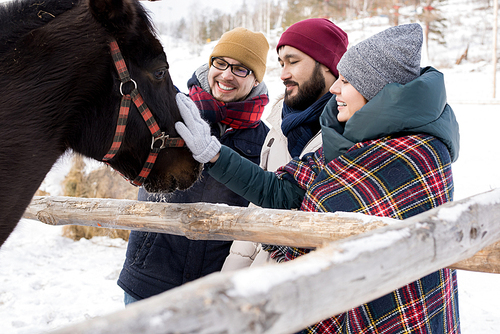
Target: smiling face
[227, 87]
[349, 100]
[305, 79]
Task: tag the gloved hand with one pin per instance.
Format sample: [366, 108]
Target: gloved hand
[195, 131]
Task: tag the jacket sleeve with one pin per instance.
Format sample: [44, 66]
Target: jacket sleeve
[250, 181]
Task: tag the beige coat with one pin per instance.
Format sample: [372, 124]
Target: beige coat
[274, 154]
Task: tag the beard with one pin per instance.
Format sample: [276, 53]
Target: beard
[307, 93]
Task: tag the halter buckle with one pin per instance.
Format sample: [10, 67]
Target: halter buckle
[163, 137]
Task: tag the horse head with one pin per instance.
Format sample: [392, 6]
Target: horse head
[63, 91]
[143, 57]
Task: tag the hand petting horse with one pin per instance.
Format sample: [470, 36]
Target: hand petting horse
[90, 76]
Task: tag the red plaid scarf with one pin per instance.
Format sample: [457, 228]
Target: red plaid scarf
[237, 115]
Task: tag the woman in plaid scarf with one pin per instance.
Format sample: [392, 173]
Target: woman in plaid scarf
[386, 152]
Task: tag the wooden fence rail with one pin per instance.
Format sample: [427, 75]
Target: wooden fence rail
[341, 275]
[203, 221]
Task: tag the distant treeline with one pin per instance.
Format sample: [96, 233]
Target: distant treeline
[204, 24]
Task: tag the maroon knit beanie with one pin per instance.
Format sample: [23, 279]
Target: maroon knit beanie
[320, 39]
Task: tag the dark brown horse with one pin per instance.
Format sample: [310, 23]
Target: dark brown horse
[61, 90]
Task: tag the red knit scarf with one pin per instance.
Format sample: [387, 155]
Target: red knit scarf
[237, 115]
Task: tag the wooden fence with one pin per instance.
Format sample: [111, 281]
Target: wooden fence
[285, 298]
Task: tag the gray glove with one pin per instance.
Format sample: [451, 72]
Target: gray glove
[195, 131]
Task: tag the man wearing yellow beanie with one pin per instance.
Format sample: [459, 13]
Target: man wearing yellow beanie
[246, 49]
[230, 93]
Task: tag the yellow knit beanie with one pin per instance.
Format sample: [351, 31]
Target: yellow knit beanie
[248, 47]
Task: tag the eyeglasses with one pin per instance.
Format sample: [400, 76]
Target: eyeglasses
[238, 70]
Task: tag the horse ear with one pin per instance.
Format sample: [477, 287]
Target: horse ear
[114, 15]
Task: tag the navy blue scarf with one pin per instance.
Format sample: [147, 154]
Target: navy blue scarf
[299, 126]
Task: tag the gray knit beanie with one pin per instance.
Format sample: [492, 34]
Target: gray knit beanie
[392, 55]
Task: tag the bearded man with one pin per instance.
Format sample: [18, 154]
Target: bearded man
[308, 52]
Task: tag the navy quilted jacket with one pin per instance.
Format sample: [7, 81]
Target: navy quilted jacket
[158, 262]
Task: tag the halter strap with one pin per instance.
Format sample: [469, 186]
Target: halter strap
[159, 139]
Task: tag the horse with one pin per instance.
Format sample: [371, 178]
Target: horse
[88, 76]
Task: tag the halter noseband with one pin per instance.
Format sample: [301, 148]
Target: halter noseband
[160, 139]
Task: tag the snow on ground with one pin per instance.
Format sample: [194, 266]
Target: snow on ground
[48, 282]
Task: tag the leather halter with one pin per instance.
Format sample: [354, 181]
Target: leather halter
[160, 139]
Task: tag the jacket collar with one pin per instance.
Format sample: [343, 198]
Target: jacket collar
[274, 118]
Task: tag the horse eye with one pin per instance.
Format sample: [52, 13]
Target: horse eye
[160, 73]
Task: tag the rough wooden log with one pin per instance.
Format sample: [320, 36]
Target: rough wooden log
[344, 274]
[486, 260]
[201, 221]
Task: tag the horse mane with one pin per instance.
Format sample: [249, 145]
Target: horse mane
[19, 17]
[16, 17]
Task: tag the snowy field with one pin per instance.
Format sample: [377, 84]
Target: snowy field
[48, 282]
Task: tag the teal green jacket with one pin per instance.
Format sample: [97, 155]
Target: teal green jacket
[419, 107]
